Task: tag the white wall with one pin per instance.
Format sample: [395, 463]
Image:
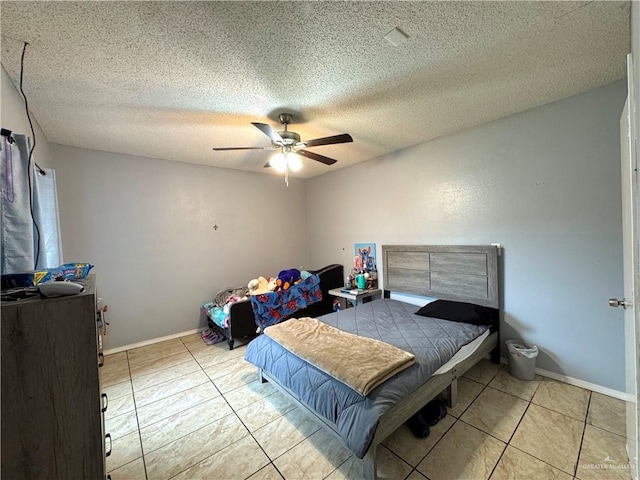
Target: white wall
[147, 226]
[14, 117]
[544, 183]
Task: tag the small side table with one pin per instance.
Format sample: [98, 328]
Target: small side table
[359, 297]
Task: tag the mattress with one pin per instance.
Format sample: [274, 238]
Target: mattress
[465, 352]
[433, 341]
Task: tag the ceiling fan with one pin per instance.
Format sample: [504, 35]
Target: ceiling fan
[289, 142]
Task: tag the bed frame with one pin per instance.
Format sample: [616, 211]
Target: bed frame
[449, 272]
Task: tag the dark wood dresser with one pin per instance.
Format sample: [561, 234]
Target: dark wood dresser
[52, 407]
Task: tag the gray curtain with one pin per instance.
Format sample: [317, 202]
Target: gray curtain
[20, 239]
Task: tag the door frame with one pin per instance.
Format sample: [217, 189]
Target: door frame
[633, 401]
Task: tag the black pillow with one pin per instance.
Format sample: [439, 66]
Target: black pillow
[459, 312]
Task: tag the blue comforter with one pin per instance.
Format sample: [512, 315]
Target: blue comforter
[433, 341]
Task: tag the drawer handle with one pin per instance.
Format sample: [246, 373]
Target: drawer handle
[105, 402]
[108, 435]
[100, 318]
[100, 359]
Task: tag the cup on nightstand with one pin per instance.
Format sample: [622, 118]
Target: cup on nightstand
[362, 282]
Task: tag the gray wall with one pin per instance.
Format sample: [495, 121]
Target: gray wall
[544, 183]
[14, 117]
[147, 226]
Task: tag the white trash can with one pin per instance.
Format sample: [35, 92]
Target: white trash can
[522, 359]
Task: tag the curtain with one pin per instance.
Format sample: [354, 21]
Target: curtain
[45, 210]
[21, 240]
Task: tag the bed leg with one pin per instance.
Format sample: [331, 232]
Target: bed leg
[230, 342]
[261, 377]
[495, 355]
[369, 464]
[451, 393]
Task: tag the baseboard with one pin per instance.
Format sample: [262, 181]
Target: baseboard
[152, 341]
[577, 382]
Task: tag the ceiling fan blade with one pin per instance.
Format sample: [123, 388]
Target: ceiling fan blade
[221, 149]
[344, 138]
[269, 132]
[316, 157]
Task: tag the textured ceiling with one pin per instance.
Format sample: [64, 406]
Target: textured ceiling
[172, 80]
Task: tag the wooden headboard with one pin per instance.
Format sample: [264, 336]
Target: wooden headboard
[450, 272]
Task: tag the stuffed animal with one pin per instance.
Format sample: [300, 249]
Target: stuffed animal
[272, 284]
[258, 286]
[286, 278]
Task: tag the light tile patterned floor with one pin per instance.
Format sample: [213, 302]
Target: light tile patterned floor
[182, 409]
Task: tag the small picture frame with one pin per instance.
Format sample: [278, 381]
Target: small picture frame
[364, 256]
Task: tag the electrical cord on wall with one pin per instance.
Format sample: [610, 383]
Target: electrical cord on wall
[30, 160]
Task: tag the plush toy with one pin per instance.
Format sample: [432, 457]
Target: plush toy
[272, 284]
[258, 286]
[286, 278]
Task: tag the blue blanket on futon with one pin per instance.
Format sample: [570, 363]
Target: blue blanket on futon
[270, 308]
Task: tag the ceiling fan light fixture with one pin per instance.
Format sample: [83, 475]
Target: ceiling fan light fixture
[294, 162]
[279, 162]
[287, 160]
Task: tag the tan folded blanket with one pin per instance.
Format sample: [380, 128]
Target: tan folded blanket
[362, 363]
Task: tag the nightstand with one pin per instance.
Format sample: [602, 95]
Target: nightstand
[358, 297]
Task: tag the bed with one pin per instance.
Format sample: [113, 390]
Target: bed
[457, 273]
[241, 323]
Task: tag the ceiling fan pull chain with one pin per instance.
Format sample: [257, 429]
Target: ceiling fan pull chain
[286, 175]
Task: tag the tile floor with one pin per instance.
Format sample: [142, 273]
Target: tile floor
[182, 409]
